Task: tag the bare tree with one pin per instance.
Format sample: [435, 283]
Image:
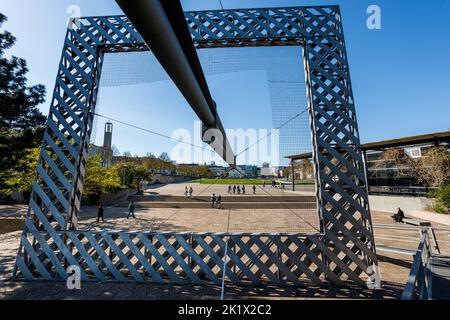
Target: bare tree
[306, 169]
[395, 158]
[116, 151]
[433, 168]
[127, 154]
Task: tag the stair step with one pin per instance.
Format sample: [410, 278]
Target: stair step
[207, 199]
[228, 205]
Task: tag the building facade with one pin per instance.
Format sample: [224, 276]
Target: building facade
[386, 172]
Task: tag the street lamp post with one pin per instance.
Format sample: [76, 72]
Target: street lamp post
[293, 175]
[124, 168]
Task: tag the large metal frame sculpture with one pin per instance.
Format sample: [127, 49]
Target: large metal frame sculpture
[343, 251]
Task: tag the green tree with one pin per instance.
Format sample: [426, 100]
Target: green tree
[21, 177]
[21, 122]
[132, 172]
[205, 172]
[100, 179]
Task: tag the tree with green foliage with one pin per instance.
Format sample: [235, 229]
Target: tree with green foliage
[205, 172]
[131, 174]
[442, 196]
[20, 178]
[100, 180]
[21, 122]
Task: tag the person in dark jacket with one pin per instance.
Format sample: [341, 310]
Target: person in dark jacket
[219, 202]
[100, 214]
[131, 210]
[399, 216]
[213, 200]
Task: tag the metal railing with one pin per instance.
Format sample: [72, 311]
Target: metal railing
[419, 281]
[399, 190]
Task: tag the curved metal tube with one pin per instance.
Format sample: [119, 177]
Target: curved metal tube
[151, 20]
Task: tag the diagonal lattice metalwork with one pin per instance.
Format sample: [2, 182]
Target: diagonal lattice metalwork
[343, 251]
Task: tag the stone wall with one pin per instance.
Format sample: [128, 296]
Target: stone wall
[392, 203]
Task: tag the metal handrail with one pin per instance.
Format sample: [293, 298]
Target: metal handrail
[419, 279]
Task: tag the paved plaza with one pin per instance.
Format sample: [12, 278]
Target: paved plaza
[394, 266]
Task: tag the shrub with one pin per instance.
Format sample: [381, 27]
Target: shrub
[442, 197]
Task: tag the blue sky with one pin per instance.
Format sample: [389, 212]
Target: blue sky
[400, 73]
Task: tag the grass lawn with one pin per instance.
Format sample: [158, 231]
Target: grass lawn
[244, 181]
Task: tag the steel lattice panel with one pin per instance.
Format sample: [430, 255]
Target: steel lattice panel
[184, 258]
[344, 250]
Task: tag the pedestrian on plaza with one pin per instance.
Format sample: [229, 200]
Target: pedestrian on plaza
[254, 189]
[186, 192]
[100, 214]
[264, 184]
[243, 189]
[234, 189]
[213, 200]
[229, 189]
[191, 192]
[399, 216]
[219, 202]
[239, 190]
[131, 208]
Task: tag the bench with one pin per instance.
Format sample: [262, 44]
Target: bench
[415, 222]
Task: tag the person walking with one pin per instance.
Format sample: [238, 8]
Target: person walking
[186, 192]
[100, 214]
[234, 189]
[219, 202]
[191, 192]
[131, 208]
[243, 189]
[239, 190]
[229, 189]
[213, 200]
[264, 184]
[254, 189]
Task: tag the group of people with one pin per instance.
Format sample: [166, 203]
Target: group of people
[239, 190]
[274, 184]
[216, 201]
[188, 192]
[101, 212]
